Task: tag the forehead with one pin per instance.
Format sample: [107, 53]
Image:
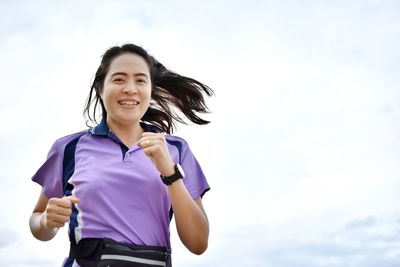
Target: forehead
[129, 63]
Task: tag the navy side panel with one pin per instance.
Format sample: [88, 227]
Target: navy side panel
[68, 171]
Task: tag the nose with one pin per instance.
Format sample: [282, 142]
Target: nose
[130, 88]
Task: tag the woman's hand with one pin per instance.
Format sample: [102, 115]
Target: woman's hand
[155, 147]
[57, 212]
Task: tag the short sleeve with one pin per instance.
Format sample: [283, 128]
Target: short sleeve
[49, 175]
[194, 180]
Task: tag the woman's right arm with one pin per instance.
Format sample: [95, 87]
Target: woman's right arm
[49, 215]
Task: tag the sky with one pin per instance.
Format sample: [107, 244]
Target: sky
[302, 152]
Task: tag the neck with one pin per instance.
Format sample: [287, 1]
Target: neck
[128, 134]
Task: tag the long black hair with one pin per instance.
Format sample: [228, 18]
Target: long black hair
[169, 91]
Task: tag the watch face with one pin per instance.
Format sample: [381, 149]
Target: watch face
[181, 170]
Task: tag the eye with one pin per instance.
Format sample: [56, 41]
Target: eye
[118, 80]
[141, 81]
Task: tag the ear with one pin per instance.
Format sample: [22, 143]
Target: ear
[100, 93]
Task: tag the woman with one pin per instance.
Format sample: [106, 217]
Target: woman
[119, 183]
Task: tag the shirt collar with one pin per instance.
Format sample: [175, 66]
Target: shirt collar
[102, 128]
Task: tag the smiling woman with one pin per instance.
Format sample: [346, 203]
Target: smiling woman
[118, 184]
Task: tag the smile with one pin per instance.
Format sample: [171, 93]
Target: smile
[128, 102]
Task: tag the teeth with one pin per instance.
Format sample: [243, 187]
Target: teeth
[128, 102]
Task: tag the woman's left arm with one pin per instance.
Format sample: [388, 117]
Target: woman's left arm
[190, 217]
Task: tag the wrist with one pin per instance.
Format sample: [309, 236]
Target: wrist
[178, 183]
[169, 170]
[177, 174]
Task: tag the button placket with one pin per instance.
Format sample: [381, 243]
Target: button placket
[129, 155]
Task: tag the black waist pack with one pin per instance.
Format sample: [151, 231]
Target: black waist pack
[105, 252]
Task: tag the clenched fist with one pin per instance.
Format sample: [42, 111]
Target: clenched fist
[155, 147]
[58, 211]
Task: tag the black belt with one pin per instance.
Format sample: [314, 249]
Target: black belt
[103, 252]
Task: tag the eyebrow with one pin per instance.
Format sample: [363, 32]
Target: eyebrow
[124, 74]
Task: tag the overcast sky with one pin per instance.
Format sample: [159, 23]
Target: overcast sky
[302, 154]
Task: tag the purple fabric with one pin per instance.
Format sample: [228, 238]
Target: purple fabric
[49, 175]
[122, 196]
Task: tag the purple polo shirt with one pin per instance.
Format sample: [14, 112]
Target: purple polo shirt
[121, 192]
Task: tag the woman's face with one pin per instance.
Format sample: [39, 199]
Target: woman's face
[127, 90]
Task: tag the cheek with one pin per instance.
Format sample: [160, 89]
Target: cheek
[147, 94]
[107, 96]
[108, 91]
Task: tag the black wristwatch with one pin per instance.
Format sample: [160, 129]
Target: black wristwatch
[179, 174]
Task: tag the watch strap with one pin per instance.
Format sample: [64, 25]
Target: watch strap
[168, 180]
